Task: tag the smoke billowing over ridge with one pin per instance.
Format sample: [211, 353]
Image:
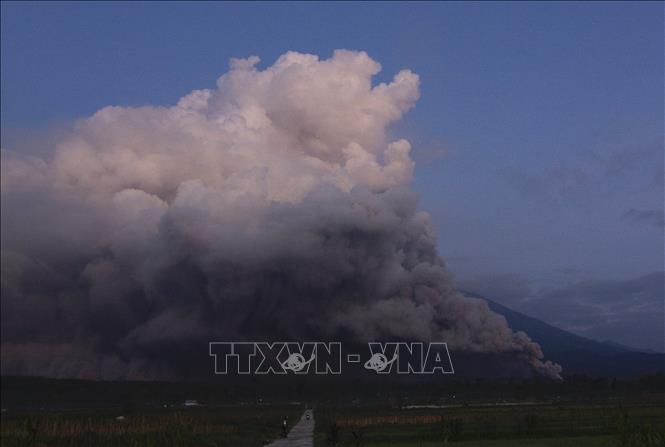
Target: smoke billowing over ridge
[273, 206]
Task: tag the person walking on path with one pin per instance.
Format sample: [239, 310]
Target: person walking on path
[285, 426]
[300, 435]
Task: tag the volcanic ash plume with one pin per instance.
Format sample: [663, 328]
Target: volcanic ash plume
[271, 207]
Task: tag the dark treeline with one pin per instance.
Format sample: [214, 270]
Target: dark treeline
[30, 393]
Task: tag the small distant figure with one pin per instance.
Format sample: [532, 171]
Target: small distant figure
[285, 426]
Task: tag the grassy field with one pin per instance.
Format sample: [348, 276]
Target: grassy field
[213, 427]
[544, 425]
[519, 425]
[578, 441]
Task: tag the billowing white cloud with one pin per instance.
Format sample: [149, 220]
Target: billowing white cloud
[274, 204]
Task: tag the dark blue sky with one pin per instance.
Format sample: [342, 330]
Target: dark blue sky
[538, 136]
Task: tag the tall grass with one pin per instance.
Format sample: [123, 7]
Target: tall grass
[189, 428]
[446, 426]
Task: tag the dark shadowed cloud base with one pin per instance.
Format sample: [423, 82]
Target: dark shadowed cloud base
[272, 206]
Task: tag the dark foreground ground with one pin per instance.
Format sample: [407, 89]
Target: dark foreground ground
[232, 426]
[515, 424]
[589, 412]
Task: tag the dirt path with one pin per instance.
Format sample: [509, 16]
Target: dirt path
[301, 435]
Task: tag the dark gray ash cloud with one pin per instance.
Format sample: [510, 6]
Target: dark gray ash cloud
[271, 207]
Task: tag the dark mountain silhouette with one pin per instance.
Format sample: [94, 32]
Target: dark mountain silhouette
[581, 355]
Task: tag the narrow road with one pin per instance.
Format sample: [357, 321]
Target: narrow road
[301, 435]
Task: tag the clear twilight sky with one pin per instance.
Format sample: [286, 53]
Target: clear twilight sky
[538, 136]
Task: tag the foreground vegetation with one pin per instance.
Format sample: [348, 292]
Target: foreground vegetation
[527, 425]
[519, 425]
[219, 427]
[579, 441]
[579, 412]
